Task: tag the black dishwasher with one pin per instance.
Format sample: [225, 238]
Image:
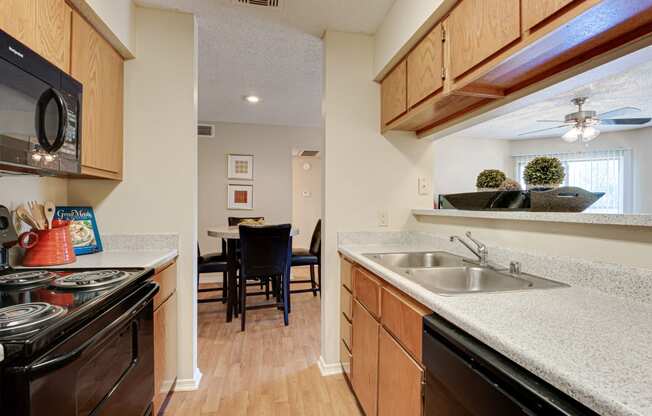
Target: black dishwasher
[464, 377]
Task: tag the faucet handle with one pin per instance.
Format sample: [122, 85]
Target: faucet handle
[515, 267]
[480, 244]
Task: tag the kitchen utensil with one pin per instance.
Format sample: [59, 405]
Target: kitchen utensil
[38, 213]
[25, 216]
[51, 247]
[49, 212]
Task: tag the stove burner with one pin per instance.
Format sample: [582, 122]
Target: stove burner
[90, 279]
[26, 278]
[18, 318]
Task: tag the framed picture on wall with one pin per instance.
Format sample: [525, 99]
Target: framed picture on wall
[240, 167]
[240, 196]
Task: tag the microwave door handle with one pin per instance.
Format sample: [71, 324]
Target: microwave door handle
[71, 356]
[62, 115]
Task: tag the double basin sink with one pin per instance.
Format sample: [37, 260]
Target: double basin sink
[447, 274]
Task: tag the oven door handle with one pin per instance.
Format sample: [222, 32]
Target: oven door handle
[63, 359]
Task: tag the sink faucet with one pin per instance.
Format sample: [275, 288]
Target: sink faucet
[480, 251]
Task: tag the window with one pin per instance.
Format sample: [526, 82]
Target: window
[596, 171]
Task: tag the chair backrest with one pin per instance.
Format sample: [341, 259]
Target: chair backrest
[233, 221]
[315, 241]
[265, 250]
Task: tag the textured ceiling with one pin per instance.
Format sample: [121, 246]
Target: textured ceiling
[275, 54]
[630, 88]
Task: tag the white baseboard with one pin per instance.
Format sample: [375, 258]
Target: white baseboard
[189, 384]
[328, 369]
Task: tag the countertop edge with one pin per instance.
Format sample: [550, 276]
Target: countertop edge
[628, 220]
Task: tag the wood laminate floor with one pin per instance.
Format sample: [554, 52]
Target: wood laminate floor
[269, 369]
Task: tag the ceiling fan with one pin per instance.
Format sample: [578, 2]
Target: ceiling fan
[583, 122]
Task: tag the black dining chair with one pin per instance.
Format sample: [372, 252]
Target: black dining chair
[265, 253]
[263, 283]
[212, 263]
[309, 257]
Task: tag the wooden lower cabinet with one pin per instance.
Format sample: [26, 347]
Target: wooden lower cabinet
[400, 380]
[165, 336]
[364, 366]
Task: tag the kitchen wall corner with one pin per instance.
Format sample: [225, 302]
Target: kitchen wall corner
[363, 172]
[159, 190]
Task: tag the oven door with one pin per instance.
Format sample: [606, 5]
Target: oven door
[106, 368]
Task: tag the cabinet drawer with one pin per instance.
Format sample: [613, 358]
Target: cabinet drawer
[366, 289]
[403, 318]
[345, 359]
[345, 273]
[167, 281]
[345, 330]
[345, 302]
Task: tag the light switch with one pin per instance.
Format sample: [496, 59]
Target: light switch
[424, 185]
[306, 194]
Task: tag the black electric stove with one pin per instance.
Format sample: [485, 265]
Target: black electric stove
[84, 337]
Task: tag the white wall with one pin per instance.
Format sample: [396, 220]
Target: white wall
[114, 19]
[405, 23]
[272, 149]
[159, 190]
[638, 141]
[15, 190]
[363, 172]
[306, 208]
[458, 161]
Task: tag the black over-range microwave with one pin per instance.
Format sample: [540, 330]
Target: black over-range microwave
[40, 113]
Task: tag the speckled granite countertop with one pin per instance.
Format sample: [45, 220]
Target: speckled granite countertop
[591, 345]
[121, 260]
[123, 251]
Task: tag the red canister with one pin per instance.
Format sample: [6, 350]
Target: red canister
[48, 247]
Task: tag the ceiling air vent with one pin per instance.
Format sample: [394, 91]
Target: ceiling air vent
[309, 153]
[274, 4]
[206, 130]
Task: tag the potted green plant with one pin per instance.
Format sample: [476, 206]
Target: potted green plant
[544, 172]
[489, 180]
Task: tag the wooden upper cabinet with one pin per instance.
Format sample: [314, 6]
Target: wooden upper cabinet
[480, 28]
[100, 69]
[536, 11]
[425, 67]
[53, 26]
[42, 25]
[399, 380]
[364, 366]
[394, 94]
[17, 18]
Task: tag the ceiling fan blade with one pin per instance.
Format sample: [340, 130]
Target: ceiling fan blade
[550, 121]
[625, 121]
[619, 112]
[542, 130]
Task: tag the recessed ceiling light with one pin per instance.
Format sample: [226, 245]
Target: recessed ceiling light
[253, 99]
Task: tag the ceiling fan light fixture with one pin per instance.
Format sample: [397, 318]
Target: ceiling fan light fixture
[583, 134]
[589, 133]
[572, 135]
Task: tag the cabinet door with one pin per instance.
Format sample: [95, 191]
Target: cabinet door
[364, 371]
[394, 94]
[424, 67]
[165, 350]
[53, 26]
[18, 19]
[480, 28]
[99, 67]
[536, 11]
[399, 380]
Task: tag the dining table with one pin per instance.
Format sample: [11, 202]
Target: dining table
[232, 234]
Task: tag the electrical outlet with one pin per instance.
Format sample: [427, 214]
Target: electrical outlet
[383, 218]
[424, 185]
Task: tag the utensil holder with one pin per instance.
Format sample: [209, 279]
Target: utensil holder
[48, 247]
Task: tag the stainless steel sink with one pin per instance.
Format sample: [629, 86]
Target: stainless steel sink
[447, 274]
[416, 260]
